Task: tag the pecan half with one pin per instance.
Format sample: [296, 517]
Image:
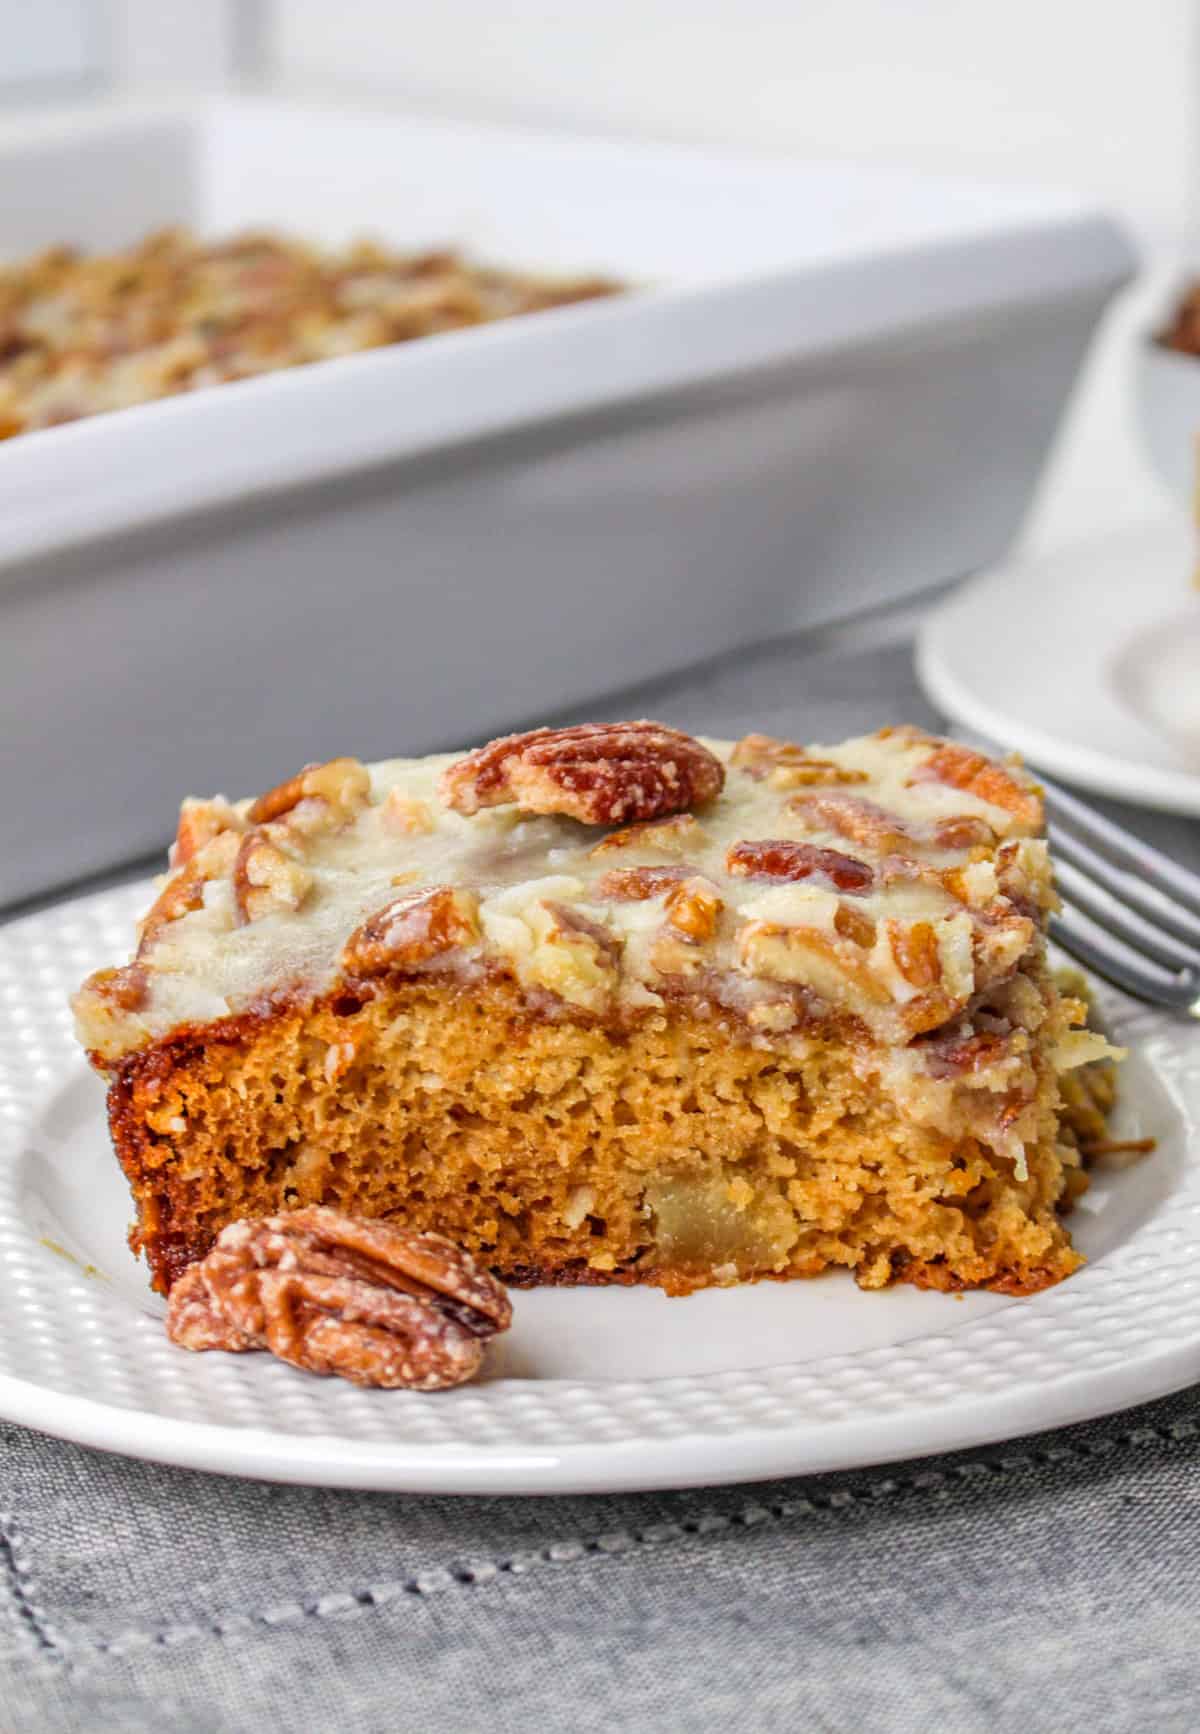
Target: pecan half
[371, 1302]
[776, 858]
[953, 1052]
[336, 791]
[598, 773]
[411, 930]
[787, 765]
[265, 880]
[960, 768]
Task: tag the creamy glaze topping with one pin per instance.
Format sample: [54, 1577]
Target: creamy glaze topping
[887, 883]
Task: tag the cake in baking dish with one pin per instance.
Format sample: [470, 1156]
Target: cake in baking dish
[82, 333]
[611, 1004]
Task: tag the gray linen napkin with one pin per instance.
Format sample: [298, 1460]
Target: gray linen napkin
[1044, 1584]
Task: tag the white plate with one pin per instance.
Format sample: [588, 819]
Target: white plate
[1087, 661]
[593, 1390]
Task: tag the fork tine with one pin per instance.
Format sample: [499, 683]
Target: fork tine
[1179, 991]
[1130, 892]
[1124, 850]
[1126, 923]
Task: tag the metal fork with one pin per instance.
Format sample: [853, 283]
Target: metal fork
[1129, 912]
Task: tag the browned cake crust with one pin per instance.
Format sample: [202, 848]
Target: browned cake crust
[670, 1151]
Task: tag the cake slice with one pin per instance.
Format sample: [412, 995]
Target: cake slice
[610, 1004]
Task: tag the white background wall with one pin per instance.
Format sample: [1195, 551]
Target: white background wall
[1097, 94]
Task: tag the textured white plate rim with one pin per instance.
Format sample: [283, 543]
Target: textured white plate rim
[1120, 1332]
[638, 1466]
[948, 678]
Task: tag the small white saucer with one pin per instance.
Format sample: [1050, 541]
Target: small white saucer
[1087, 661]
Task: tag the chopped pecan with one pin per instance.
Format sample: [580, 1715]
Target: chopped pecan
[915, 949]
[106, 1008]
[953, 1052]
[1002, 938]
[371, 1302]
[963, 831]
[786, 765]
[851, 816]
[405, 815]
[125, 989]
[637, 884]
[853, 925]
[552, 947]
[662, 836]
[693, 909]
[411, 930]
[184, 889]
[598, 773]
[199, 823]
[319, 795]
[828, 965]
[265, 880]
[569, 923]
[776, 858]
[960, 768]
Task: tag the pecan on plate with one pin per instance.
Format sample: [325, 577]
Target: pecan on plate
[598, 773]
[373, 1303]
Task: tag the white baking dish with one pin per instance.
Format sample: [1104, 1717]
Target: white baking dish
[832, 386]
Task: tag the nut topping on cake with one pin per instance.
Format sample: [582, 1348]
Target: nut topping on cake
[368, 1301]
[598, 773]
[405, 816]
[411, 930]
[638, 884]
[199, 823]
[265, 880]
[775, 858]
[786, 765]
[693, 909]
[662, 837]
[851, 816]
[915, 950]
[337, 790]
[184, 889]
[961, 768]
